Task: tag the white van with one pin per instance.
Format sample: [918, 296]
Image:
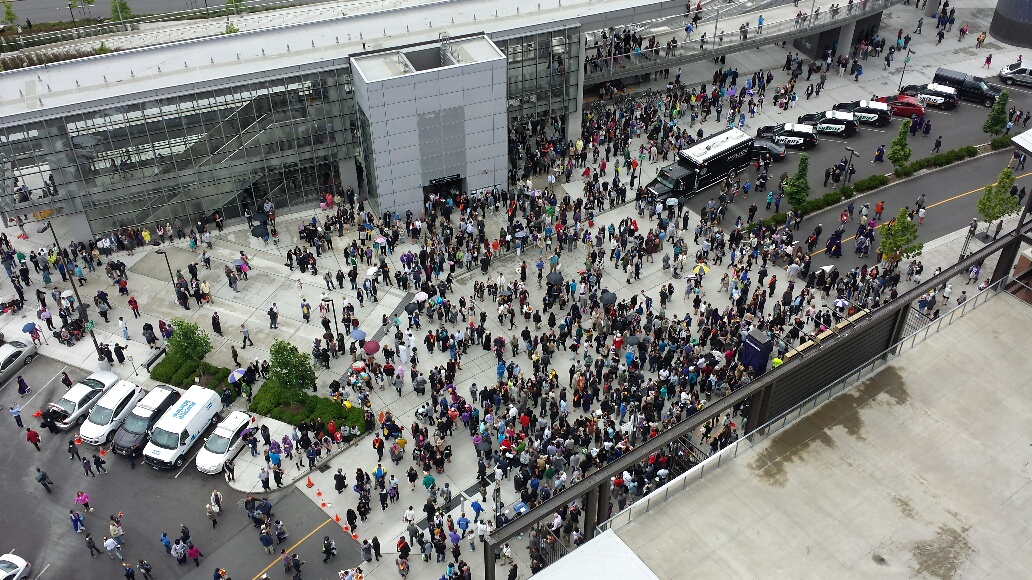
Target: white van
[181, 427]
[109, 412]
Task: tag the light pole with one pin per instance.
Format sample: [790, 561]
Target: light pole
[135, 370]
[70, 12]
[75, 289]
[329, 301]
[906, 61]
[167, 265]
[845, 174]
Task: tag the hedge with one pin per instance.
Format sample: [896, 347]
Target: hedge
[180, 372]
[937, 160]
[270, 400]
[1000, 142]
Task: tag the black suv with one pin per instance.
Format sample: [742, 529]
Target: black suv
[790, 135]
[833, 122]
[870, 112]
[968, 87]
[933, 95]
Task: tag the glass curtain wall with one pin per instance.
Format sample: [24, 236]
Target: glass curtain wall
[543, 71]
[185, 156]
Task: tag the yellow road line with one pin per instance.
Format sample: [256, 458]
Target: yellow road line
[947, 200]
[292, 548]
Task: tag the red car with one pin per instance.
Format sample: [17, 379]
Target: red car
[903, 105]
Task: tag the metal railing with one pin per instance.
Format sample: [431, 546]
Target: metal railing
[716, 39]
[115, 25]
[845, 383]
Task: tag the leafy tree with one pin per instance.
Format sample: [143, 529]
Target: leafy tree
[899, 239]
[235, 7]
[120, 10]
[9, 16]
[797, 190]
[292, 369]
[996, 122]
[997, 201]
[83, 6]
[231, 28]
[899, 151]
[188, 340]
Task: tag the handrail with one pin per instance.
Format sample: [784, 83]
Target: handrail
[768, 429]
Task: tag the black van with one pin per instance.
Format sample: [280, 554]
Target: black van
[968, 87]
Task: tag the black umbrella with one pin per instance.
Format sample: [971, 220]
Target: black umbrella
[619, 325]
[608, 298]
[260, 217]
[411, 307]
[260, 231]
[554, 278]
[505, 292]
[632, 340]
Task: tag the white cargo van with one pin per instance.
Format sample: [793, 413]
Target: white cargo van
[109, 412]
[181, 427]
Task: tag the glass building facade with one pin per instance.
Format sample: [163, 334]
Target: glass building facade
[544, 70]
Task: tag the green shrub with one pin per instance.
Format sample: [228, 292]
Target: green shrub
[847, 192]
[831, 198]
[270, 401]
[166, 369]
[185, 374]
[869, 183]
[1000, 143]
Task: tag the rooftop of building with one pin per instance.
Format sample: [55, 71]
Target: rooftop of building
[424, 57]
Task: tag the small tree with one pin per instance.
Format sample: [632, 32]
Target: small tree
[997, 201]
[292, 369]
[235, 7]
[188, 340]
[9, 16]
[120, 10]
[899, 151]
[899, 239]
[996, 123]
[797, 190]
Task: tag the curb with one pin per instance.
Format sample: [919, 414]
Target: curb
[303, 473]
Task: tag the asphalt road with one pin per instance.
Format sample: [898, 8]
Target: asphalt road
[37, 525]
[57, 10]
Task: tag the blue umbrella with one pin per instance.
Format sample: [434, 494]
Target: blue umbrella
[236, 375]
[29, 327]
[357, 334]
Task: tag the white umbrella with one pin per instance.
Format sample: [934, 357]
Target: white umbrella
[372, 271]
[68, 294]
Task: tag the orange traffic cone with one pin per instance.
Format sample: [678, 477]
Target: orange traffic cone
[318, 493]
[103, 452]
[354, 536]
[38, 413]
[309, 484]
[78, 440]
[346, 528]
[323, 505]
[336, 518]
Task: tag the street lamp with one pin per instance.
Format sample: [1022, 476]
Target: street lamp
[906, 61]
[75, 289]
[71, 12]
[328, 300]
[845, 176]
[167, 265]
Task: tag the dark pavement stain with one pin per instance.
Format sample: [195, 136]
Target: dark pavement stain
[905, 507]
[879, 560]
[942, 556]
[843, 411]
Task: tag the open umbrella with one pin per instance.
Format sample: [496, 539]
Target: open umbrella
[671, 201]
[260, 231]
[505, 292]
[632, 340]
[421, 296]
[520, 234]
[357, 334]
[238, 262]
[608, 298]
[371, 347]
[372, 271]
[411, 307]
[380, 239]
[701, 267]
[554, 278]
[68, 294]
[358, 366]
[260, 217]
[236, 375]
[29, 327]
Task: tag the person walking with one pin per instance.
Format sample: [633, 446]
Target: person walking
[43, 479]
[16, 413]
[938, 144]
[194, 553]
[213, 514]
[78, 524]
[988, 61]
[92, 545]
[129, 571]
[73, 450]
[32, 437]
[123, 327]
[145, 568]
[216, 324]
[98, 463]
[266, 540]
[115, 529]
[247, 336]
[87, 467]
[82, 498]
[112, 548]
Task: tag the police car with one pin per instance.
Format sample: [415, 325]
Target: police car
[870, 112]
[834, 122]
[933, 95]
[790, 135]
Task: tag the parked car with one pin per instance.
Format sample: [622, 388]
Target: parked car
[72, 407]
[790, 135]
[777, 150]
[132, 435]
[1016, 73]
[14, 567]
[870, 112]
[13, 356]
[903, 105]
[109, 412]
[838, 123]
[933, 95]
[224, 443]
